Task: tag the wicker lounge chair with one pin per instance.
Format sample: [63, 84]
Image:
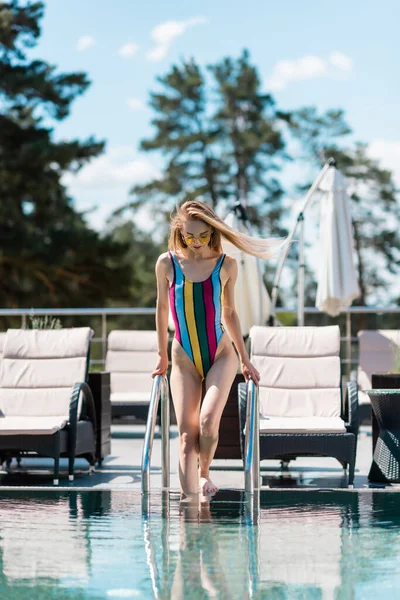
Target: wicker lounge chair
[131, 358]
[301, 411]
[46, 406]
[377, 349]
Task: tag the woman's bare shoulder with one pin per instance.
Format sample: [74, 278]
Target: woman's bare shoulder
[163, 262]
[230, 263]
[164, 257]
[229, 269]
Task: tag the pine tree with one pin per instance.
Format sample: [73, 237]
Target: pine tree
[249, 133]
[186, 137]
[48, 254]
[220, 140]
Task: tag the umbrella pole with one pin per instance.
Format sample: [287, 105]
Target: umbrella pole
[300, 280]
[299, 220]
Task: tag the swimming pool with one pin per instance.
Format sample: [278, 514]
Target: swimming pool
[110, 544]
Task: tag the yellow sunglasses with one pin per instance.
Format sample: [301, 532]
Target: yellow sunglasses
[203, 238]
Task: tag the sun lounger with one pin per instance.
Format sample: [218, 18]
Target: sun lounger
[300, 395]
[46, 406]
[131, 358]
[377, 354]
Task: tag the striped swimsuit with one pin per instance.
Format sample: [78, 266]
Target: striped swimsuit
[196, 309]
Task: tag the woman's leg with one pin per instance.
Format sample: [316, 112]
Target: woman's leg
[186, 394]
[218, 384]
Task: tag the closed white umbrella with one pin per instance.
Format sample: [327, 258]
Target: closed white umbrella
[337, 275]
[252, 301]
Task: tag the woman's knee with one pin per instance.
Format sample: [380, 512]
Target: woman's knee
[189, 441]
[209, 425]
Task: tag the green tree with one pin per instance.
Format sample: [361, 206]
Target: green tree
[375, 208]
[221, 139]
[139, 259]
[48, 254]
[250, 135]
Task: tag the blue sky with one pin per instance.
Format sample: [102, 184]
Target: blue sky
[342, 54]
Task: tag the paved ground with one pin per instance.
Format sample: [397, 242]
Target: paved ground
[122, 470]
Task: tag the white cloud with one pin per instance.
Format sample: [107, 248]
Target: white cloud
[158, 53]
[341, 61]
[85, 42]
[119, 166]
[286, 71]
[164, 34]
[105, 182]
[135, 104]
[306, 67]
[128, 50]
[388, 153]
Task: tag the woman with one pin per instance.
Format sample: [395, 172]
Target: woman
[198, 281]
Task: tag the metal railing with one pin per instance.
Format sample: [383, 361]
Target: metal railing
[167, 572]
[252, 440]
[160, 385]
[104, 313]
[159, 390]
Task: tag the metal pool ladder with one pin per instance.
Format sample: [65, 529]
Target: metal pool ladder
[252, 440]
[159, 390]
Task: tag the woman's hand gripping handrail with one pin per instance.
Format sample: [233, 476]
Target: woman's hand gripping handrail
[159, 389]
[252, 440]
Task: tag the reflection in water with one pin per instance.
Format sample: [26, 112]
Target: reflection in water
[190, 552]
[52, 543]
[199, 561]
[277, 544]
[44, 543]
[282, 545]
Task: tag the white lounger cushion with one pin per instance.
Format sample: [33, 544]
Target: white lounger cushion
[376, 355]
[126, 362]
[31, 425]
[299, 369]
[322, 402]
[295, 341]
[133, 341]
[47, 402]
[298, 373]
[131, 358]
[127, 383]
[47, 343]
[302, 425]
[38, 372]
[43, 372]
[131, 397]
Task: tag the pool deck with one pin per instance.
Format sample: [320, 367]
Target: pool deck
[122, 469]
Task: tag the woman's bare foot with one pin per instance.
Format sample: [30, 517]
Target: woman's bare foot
[189, 507]
[207, 487]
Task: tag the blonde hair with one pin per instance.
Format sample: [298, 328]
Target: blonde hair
[197, 210]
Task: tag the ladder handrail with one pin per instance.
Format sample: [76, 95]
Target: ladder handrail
[159, 390]
[252, 440]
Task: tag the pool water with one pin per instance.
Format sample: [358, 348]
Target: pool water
[114, 544]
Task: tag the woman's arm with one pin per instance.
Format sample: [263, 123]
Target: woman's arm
[162, 314]
[232, 321]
